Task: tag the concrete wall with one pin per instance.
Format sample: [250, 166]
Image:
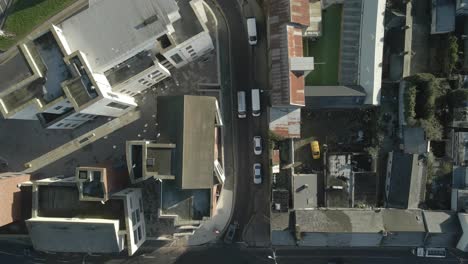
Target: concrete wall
[404, 239]
[200, 45]
[143, 81]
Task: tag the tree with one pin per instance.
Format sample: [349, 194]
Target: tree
[458, 98]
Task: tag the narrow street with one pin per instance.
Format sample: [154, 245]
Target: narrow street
[248, 64]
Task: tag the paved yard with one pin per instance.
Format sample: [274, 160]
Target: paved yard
[326, 49]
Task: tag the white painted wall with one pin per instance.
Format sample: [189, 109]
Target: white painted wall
[143, 81]
[191, 49]
[61, 40]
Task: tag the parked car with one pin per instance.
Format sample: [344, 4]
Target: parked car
[257, 172]
[252, 30]
[257, 145]
[315, 147]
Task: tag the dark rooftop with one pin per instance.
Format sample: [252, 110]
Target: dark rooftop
[188, 25]
[129, 68]
[63, 201]
[189, 122]
[14, 70]
[406, 181]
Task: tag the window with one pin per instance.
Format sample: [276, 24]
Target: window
[141, 80]
[137, 215]
[134, 221]
[118, 106]
[67, 125]
[189, 47]
[135, 238]
[139, 233]
[176, 58]
[58, 107]
[59, 124]
[141, 205]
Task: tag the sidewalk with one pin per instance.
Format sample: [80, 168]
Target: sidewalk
[212, 229]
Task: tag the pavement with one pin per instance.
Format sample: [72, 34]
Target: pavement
[22, 253]
[249, 70]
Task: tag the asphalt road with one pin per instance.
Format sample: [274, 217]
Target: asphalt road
[248, 64]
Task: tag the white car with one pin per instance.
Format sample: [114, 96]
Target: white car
[257, 170]
[257, 145]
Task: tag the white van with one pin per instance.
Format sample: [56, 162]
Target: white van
[252, 30]
[255, 102]
[241, 111]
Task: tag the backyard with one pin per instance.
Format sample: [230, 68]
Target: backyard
[325, 49]
[24, 15]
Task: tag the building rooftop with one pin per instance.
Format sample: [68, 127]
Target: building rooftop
[189, 122]
[286, 121]
[415, 140]
[339, 221]
[129, 68]
[359, 220]
[334, 91]
[290, 11]
[14, 70]
[304, 191]
[442, 222]
[188, 25]
[111, 31]
[405, 177]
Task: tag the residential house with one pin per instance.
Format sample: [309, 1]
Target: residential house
[360, 73]
[186, 158]
[91, 65]
[359, 227]
[86, 213]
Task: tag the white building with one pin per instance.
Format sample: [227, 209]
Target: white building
[82, 214]
[95, 62]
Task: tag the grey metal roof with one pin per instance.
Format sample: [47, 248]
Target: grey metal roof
[114, 30]
[305, 191]
[414, 140]
[406, 181]
[14, 70]
[189, 122]
[334, 90]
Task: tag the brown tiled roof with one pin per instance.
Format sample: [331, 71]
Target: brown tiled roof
[296, 83]
[300, 12]
[290, 11]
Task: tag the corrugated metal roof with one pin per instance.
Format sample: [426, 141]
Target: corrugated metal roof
[286, 122]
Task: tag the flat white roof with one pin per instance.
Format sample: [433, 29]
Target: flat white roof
[110, 31]
[371, 53]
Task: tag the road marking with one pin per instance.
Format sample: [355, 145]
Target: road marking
[81, 141]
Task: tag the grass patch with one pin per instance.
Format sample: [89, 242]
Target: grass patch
[326, 49]
[25, 15]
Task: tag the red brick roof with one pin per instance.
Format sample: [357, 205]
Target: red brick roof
[296, 83]
[10, 195]
[300, 12]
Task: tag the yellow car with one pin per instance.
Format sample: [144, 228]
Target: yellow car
[314, 146]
